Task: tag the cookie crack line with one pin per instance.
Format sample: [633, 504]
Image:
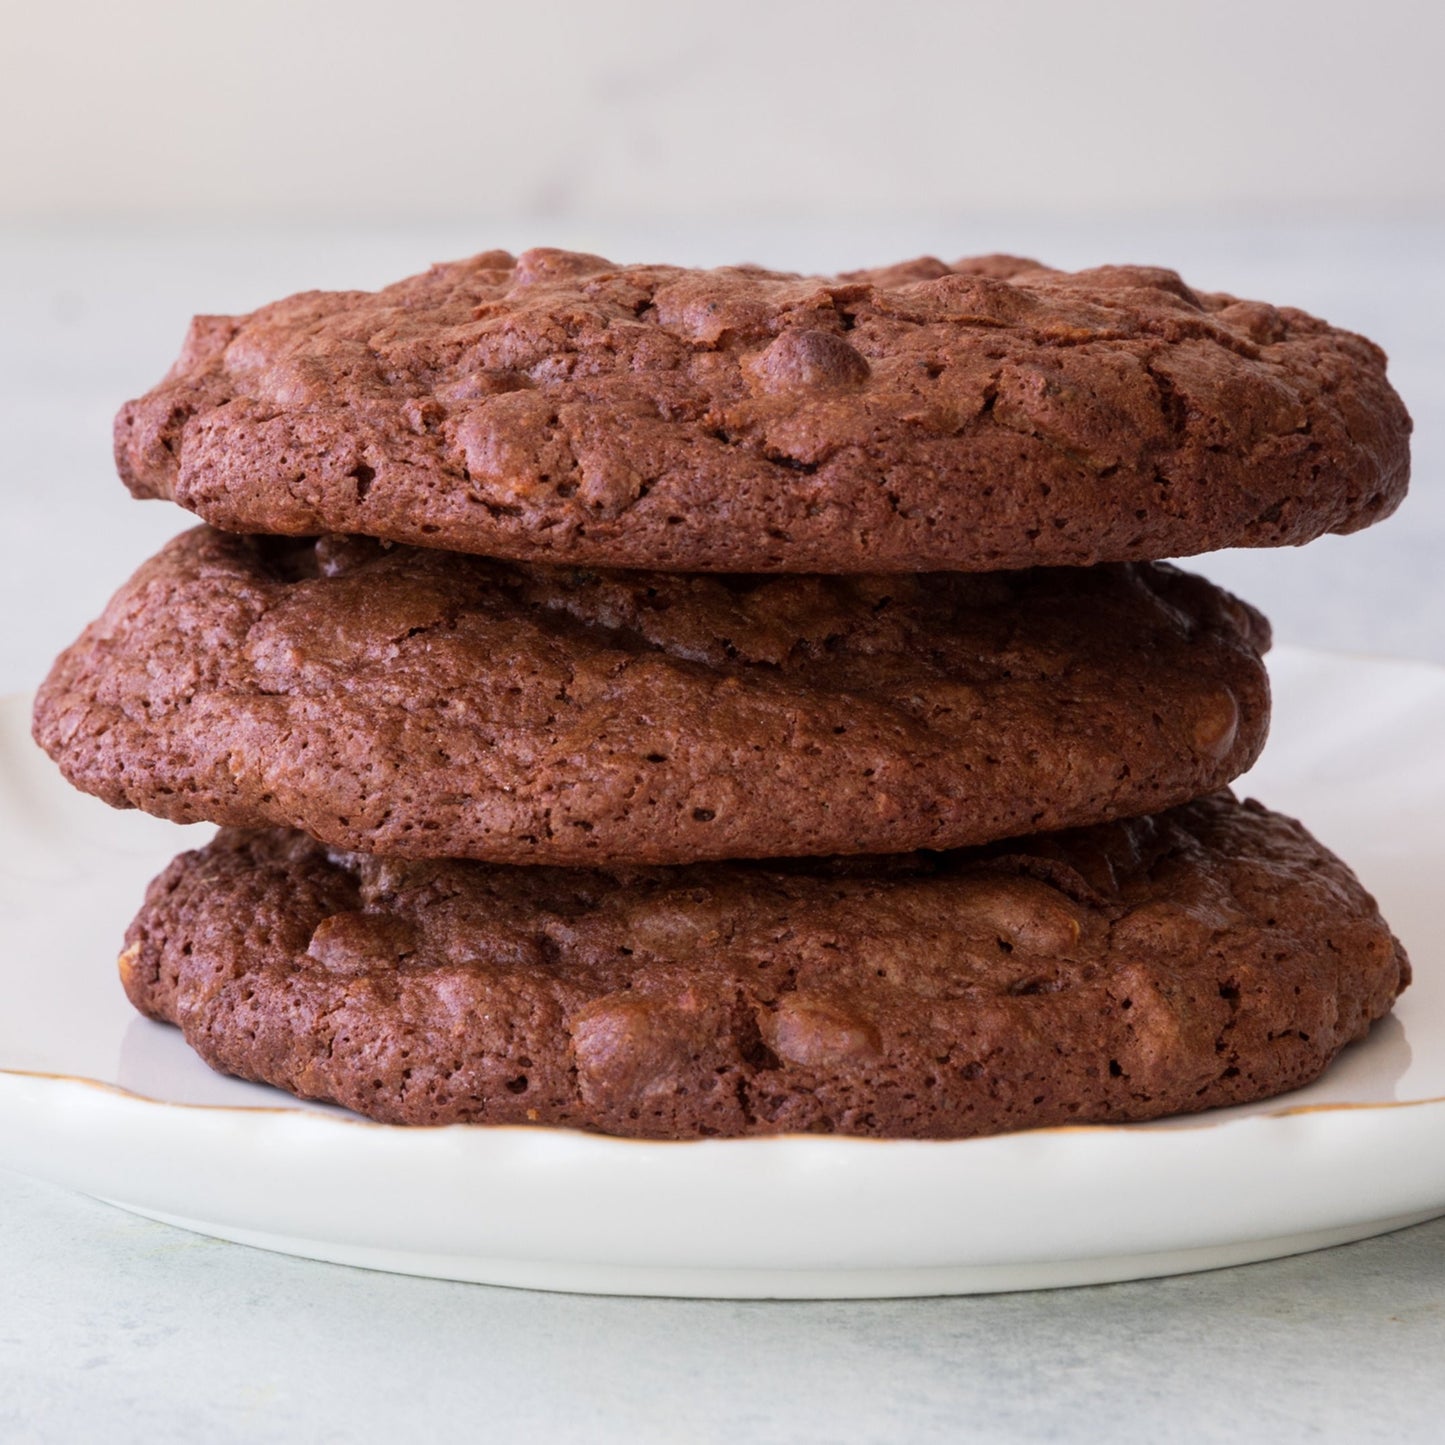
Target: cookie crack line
[1015, 415]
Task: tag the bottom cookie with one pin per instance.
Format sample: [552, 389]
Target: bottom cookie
[1213, 954]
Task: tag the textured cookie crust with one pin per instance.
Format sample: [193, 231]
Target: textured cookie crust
[992, 414]
[414, 703]
[1211, 955]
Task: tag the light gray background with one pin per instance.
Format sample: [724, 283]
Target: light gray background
[171, 156]
[651, 109]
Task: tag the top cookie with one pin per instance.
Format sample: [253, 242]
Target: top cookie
[987, 415]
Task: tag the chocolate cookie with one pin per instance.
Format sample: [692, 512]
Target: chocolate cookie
[419, 704]
[987, 415]
[1211, 955]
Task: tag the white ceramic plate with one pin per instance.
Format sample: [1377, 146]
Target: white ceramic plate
[98, 1099]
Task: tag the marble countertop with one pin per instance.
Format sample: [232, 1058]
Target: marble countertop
[167, 1337]
[114, 1327]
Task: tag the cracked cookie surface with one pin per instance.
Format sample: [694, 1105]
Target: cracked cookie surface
[987, 415]
[1210, 955]
[414, 703]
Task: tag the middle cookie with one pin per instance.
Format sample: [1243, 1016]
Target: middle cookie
[417, 704]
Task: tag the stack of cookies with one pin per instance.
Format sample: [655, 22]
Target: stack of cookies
[684, 703]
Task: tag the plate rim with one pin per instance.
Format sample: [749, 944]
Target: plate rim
[1203, 1119]
[486, 1202]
